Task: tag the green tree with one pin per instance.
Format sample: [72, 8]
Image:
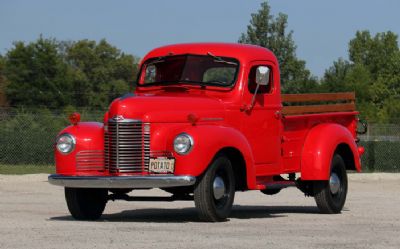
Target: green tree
[101, 72]
[267, 31]
[3, 99]
[59, 74]
[373, 72]
[334, 77]
[37, 75]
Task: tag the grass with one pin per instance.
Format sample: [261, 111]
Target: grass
[9, 169]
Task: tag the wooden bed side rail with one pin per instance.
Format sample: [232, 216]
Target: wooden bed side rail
[308, 103]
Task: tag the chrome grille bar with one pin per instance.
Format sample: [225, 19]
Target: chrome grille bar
[146, 146]
[87, 160]
[127, 146]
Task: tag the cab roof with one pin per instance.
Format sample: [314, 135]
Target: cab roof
[242, 52]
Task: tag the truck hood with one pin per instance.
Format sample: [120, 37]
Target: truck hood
[167, 109]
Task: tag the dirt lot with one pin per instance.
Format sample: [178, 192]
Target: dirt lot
[33, 214]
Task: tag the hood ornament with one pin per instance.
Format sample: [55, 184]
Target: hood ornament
[118, 118]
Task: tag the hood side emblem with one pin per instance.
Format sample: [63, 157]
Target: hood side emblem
[118, 118]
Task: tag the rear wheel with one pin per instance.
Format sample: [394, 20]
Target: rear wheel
[215, 192]
[86, 203]
[330, 196]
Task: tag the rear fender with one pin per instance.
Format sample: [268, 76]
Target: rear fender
[208, 141]
[319, 147]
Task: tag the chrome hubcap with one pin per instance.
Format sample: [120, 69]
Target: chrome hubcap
[334, 183]
[218, 188]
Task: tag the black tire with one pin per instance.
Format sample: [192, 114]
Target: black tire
[331, 199]
[209, 207]
[86, 203]
[271, 191]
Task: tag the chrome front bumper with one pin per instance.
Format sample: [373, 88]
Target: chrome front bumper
[121, 181]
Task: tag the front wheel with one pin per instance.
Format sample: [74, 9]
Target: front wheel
[86, 203]
[215, 192]
[330, 196]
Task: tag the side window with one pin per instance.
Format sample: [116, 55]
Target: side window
[151, 72]
[252, 81]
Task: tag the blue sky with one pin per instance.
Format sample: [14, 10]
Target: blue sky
[322, 29]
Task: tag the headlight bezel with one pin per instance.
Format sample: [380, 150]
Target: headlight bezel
[73, 143]
[189, 139]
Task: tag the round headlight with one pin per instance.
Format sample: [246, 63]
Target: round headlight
[65, 143]
[183, 143]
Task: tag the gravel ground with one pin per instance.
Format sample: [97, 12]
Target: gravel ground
[33, 214]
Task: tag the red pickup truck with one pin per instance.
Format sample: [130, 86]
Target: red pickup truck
[206, 120]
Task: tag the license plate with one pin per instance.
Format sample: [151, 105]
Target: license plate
[162, 165]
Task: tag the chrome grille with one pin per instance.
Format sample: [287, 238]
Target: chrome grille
[127, 146]
[88, 160]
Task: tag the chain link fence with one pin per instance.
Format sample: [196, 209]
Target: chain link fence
[382, 148]
[27, 138]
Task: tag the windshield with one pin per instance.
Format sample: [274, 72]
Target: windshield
[189, 69]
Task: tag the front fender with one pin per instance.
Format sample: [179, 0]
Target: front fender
[319, 147]
[89, 137]
[208, 141]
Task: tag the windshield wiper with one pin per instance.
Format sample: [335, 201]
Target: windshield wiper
[159, 59]
[220, 60]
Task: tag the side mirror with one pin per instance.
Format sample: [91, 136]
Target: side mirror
[262, 75]
[262, 79]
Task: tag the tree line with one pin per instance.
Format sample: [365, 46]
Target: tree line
[69, 74]
[59, 74]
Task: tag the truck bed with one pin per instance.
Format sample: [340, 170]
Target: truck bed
[301, 112]
[297, 104]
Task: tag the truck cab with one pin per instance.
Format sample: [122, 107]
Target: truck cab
[207, 120]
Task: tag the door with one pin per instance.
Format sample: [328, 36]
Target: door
[261, 121]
